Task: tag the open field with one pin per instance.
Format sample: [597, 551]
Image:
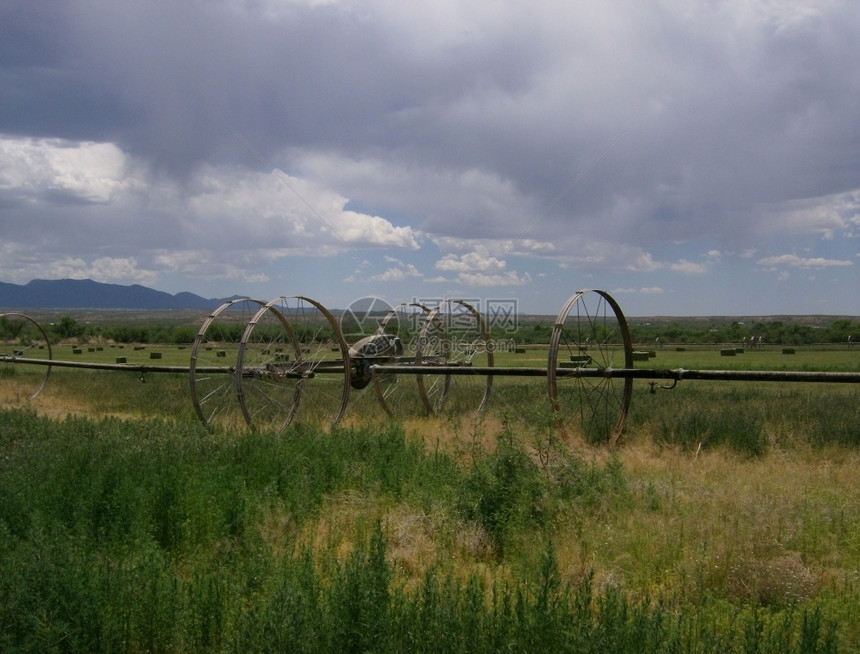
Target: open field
[728, 519]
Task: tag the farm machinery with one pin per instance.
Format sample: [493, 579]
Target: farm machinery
[260, 364]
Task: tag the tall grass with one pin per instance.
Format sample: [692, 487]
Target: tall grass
[153, 535]
[749, 418]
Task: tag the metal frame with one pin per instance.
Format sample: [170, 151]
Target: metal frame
[263, 386]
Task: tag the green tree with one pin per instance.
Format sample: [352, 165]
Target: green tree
[68, 327]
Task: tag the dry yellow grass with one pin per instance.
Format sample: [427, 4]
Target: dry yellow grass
[772, 530]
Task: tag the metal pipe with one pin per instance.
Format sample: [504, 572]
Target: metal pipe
[677, 374]
[746, 375]
[128, 367]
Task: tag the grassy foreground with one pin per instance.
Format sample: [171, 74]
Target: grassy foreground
[151, 535]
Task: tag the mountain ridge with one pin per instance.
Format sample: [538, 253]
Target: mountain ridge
[89, 294]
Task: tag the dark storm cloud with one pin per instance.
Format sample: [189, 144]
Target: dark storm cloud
[712, 109]
[597, 131]
[171, 81]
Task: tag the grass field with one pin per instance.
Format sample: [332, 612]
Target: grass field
[727, 519]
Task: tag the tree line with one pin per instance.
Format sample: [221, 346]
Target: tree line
[775, 332]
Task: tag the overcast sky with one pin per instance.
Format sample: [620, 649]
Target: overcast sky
[690, 157]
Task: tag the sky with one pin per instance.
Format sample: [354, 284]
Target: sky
[689, 157]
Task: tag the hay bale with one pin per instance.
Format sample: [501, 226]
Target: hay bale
[122, 360]
[728, 352]
[641, 355]
[155, 355]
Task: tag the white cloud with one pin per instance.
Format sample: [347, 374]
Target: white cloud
[206, 264]
[480, 268]
[469, 203]
[645, 290]
[108, 269]
[371, 231]
[115, 270]
[519, 127]
[33, 168]
[221, 222]
[794, 261]
[477, 260]
[261, 210]
[397, 274]
[643, 262]
[509, 278]
[687, 267]
[826, 216]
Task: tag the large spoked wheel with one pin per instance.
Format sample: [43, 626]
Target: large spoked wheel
[269, 349]
[398, 394]
[21, 337]
[590, 333]
[293, 364]
[454, 334]
[213, 363]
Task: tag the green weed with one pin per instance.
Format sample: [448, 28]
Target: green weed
[155, 535]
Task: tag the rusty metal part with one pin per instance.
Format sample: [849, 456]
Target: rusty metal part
[216, 346]
[590, 328]
[29, 391]
[252, 362]
[453, 334]
[392, 391]
[283, 347]
[625, 373]
[371, 350]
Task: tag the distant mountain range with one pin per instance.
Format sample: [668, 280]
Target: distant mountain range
[87, 294]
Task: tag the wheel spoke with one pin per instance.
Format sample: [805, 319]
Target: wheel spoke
[20, 383]
[454, 334]
[590, 332]
[398, 395]
[292, 350]
[213, 363]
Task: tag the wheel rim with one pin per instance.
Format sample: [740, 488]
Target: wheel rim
[271, 385]
[22, 382]
[590, 332]
[399, 395]
[213, 363]
[454, 334]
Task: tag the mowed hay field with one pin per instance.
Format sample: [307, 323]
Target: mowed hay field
[726, 519]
